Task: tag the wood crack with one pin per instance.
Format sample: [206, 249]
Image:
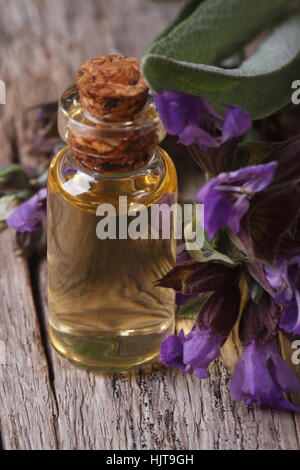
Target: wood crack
[34, 263]
[296, 430]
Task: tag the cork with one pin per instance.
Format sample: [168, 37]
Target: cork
[113, 156]
[112, 88]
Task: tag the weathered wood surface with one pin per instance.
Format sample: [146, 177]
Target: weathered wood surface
[46, 403]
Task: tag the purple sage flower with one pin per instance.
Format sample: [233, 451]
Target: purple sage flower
[171, 352]
[27, 216]
[262, 376]
[195, 121]
[285, 281]
[227, 197]
[192, 353]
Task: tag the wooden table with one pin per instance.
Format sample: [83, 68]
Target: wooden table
[46, 403]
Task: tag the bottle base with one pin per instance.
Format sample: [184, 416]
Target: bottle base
[109, 354]
[103, 369]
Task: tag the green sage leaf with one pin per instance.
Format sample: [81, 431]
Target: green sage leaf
[192, 307]
[185, 59]
[13, 176]
[207, 252]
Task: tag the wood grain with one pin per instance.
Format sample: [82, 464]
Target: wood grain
[46, 403]
[28, 409]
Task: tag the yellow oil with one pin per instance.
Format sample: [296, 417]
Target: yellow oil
[105, 313]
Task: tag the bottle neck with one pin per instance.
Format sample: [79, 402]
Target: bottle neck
[103, 170]
[107, 147]
[113, 154]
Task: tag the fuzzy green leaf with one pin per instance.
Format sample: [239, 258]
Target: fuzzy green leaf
[185, 59]
[208, 252]
[192, 307]
[14, 176]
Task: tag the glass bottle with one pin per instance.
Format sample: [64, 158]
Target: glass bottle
[105, 312]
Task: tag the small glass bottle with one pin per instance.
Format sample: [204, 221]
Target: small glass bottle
[105, 312]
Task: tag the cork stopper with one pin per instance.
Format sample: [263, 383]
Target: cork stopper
[112, 88]
[109, 120]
